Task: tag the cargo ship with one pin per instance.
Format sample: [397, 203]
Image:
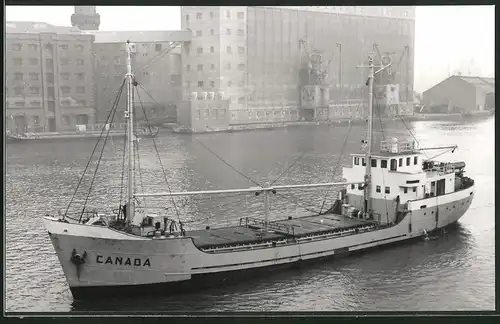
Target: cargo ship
[388, 196]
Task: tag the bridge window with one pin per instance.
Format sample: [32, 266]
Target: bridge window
[374, 163]
[401, 162]
[408, 160]
[387, 190]
[378, 189]
[415, 160]
[356, 160]
[363, 162]
[383, 164]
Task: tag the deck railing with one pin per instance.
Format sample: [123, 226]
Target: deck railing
[392, 146]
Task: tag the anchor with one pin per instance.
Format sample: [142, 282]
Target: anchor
[78, 260]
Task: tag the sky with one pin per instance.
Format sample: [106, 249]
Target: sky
[448, 39]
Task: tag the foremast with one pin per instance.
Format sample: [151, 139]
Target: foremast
[129, 116]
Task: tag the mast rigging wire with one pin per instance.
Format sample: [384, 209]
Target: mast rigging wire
[117, 98]
[135, 83]
[99, 159]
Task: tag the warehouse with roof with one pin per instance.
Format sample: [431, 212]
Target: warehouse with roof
[462, 94]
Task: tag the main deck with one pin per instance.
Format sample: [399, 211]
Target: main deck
[252, 230]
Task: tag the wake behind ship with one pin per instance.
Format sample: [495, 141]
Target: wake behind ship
[388, 196]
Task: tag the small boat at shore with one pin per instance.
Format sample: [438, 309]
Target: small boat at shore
[144, 132]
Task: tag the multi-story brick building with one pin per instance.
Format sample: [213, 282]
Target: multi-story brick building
[156, 65]
[49, 77]
[257, 56]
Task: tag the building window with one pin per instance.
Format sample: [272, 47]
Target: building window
[241, 84]
[415, 160]
[79, 48]
[241, 100]
[383, 164]
[360, 186]
[212, 49]
[65, 103]
[63, 47]
[352, 185]
[65, 90]
[241, 67]
[188, 67]
[49, 63]
[405, 190]
[241, 50]
[65, 76]
[64, 61]
[80, 76]
[157, 47]
[199, 15]
[19, 103]
[212, 84]
[198, 33]
[187, 17]
[356, 160]
[80, 90]
[18, 76]
[51, 92]
[240, 32]
[51, 106]
[17, 47]
[387, 190]
[378, 189]
[228, 14]
[35, 103]
[33, 47]
[374, 163]
[241, 15]
[17, 61]
[33, 61]
[228, 66]
[199, 50]
[36, 120]
[34, 76]
[48, 47]
[212, 67]
[401, 162]
[81, 102]
[200, 84]
[406, 13]
[199, 67]
[229, 50]
[211, 14]
[34, 90]
[408, 161]
[363, 162]
[229, 83]
[49, 77]
[79, 62]
[414, 189]
[211, 32]
[228, 31]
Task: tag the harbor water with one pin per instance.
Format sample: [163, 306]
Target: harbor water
[453, 271]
